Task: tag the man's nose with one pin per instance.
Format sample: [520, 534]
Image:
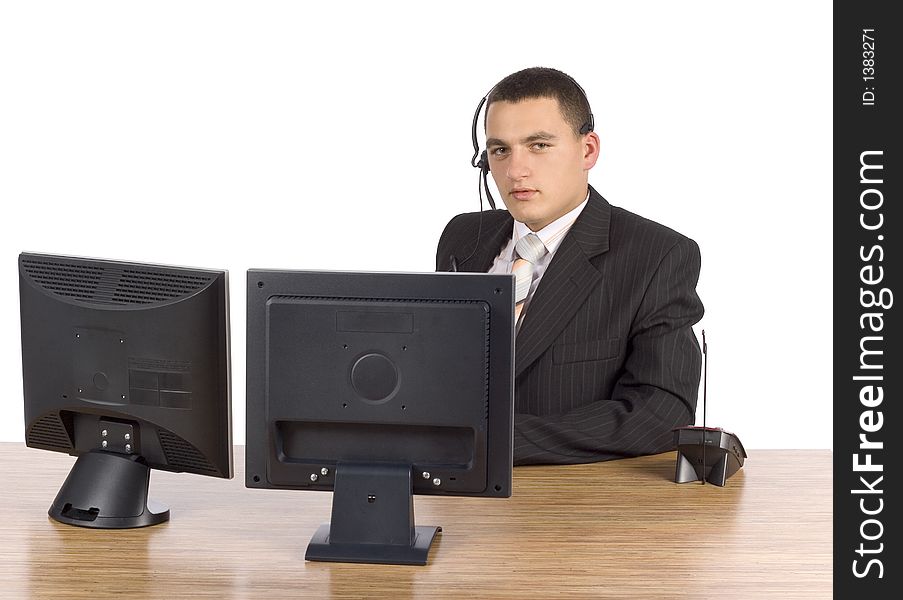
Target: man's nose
[518, 167]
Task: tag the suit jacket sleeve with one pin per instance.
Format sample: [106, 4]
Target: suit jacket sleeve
[656, 389]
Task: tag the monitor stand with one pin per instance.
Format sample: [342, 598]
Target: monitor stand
[372, 518]
[107, 490]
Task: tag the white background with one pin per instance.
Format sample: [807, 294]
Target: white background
[337, 136]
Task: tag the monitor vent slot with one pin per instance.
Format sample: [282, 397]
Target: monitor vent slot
[111, 283]
[387, 300]
[49, 432]
[486, 375]
[182, 456]
[145, 287]
[70, 280]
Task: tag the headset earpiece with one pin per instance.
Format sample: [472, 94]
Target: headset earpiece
[484, 162]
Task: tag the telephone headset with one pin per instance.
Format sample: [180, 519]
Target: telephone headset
[483, 163]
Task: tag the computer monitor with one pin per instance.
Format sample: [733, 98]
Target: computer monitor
[125, 366]
[378, 386]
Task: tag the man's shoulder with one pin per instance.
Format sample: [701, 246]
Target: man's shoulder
[464, 227]
[465, 231]
[629, 229]
[468, 222]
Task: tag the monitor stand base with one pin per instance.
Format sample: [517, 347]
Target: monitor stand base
[106, 490]
[372, 518]
[322, 549]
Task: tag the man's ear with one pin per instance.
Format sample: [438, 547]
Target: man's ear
[590, 150]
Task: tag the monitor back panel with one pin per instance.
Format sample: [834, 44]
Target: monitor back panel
[127, 349]
[380, 367]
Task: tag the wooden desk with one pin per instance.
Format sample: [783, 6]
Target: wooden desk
[620, 529]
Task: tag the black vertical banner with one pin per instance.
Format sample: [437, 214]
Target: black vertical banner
[868, 364]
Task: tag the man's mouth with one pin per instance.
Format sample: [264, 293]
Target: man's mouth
[523, 193]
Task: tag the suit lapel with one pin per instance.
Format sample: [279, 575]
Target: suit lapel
[566, 283]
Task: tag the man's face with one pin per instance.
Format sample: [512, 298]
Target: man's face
[537, 161]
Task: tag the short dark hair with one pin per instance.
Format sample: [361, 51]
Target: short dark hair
[543, 82]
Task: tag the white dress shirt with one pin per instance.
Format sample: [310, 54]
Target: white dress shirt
[551, 236]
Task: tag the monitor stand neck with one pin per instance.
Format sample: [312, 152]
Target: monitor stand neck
[372, 518]
[107, 490]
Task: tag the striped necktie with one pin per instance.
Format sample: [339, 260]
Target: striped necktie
[529, 250]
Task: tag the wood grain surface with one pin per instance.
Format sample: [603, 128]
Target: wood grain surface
[619, 529]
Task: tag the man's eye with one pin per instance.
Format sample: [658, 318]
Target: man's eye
[498, 151]
[541, 146]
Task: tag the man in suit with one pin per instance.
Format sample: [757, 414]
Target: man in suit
[606, 361]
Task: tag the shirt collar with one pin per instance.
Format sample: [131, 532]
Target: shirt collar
[554, 233]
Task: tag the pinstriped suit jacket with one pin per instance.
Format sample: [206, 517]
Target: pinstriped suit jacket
[606, 362]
